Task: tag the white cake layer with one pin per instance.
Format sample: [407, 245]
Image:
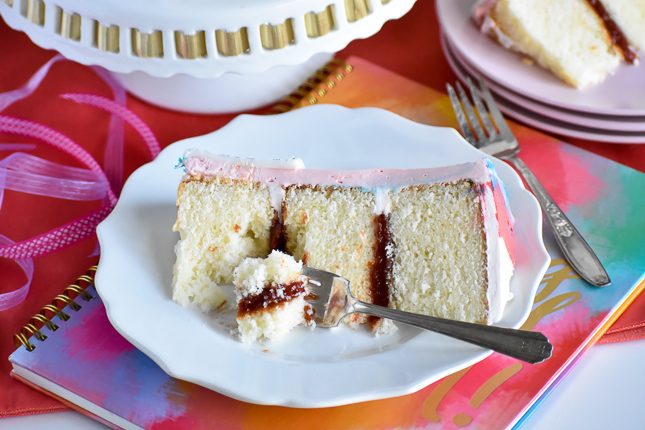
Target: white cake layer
[272, 323]
[254, 274]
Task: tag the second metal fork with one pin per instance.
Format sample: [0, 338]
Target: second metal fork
[498, 140]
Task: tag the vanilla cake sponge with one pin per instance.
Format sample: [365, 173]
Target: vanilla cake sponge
[221, 221]
[270, 297]
[436, 241]
[581, 41]
[439, 248]
[332, 229]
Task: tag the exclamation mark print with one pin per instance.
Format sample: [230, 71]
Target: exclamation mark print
[434, 399]
[461, 420]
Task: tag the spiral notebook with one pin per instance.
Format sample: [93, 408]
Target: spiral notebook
[71, 352]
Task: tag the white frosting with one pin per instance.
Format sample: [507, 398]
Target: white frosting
[292, 163]
[506, 268]
[488, 26]
[500, 265]
[382, 201]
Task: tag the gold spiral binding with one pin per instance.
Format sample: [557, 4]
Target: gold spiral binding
[315, 86]
[20, 338]
[41, 319]
[68, 302]
[33, 331]
[53, 308]
[46, 321]
[79, 292]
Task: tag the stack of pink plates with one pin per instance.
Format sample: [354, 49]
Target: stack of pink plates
[613, 111]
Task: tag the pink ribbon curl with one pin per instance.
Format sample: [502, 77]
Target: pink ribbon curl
[26, 173]
[14, 298]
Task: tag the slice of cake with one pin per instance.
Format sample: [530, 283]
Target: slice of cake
[581, 41]
[435, 241]
[271, 297]
[221, 222]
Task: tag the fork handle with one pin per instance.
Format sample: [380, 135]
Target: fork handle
[576, 250]
[530, 346]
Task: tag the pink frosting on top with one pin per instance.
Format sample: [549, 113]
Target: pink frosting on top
[482, 9]
[367, 178]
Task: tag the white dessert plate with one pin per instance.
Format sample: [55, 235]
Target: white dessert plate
[610, 123]
[556, 124]
[320, 368]
[619, 95]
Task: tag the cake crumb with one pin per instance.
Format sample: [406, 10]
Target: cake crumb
[528, 61]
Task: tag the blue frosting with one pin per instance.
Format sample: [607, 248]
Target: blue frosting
[498, 185]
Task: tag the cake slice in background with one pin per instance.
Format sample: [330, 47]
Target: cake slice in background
[271, 297]
[629, 16]
[578, 40]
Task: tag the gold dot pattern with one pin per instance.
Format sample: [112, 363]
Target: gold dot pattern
[277, 36]
[319, 24]
[69, 25]
[34, 11]
[151, 43]
[106, 38]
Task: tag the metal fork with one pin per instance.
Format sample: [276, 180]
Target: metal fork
[334, 301]
[500, 142]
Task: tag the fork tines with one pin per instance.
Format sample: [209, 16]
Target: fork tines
[477, 127]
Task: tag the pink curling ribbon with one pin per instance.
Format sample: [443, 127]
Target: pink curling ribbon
[22, 172]
[29, 174]
[130, 117]
[56, 139]
[10, 97]
[70, 233]
[113, 159]
[14, 298]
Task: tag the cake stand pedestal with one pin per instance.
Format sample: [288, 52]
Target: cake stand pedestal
[202, 56]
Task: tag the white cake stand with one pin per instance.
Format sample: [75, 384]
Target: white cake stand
[205, 56]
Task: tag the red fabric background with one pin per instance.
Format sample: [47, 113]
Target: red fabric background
[408, 46]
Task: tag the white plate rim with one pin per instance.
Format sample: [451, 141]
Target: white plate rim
[125, 277]
[507, 69]
[534, 119]
[594, 121]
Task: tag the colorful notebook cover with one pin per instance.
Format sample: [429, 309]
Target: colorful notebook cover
[87, 364]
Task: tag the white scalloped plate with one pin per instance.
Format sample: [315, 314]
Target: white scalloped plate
[608, 123]
[307, 369]
[561, 123]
